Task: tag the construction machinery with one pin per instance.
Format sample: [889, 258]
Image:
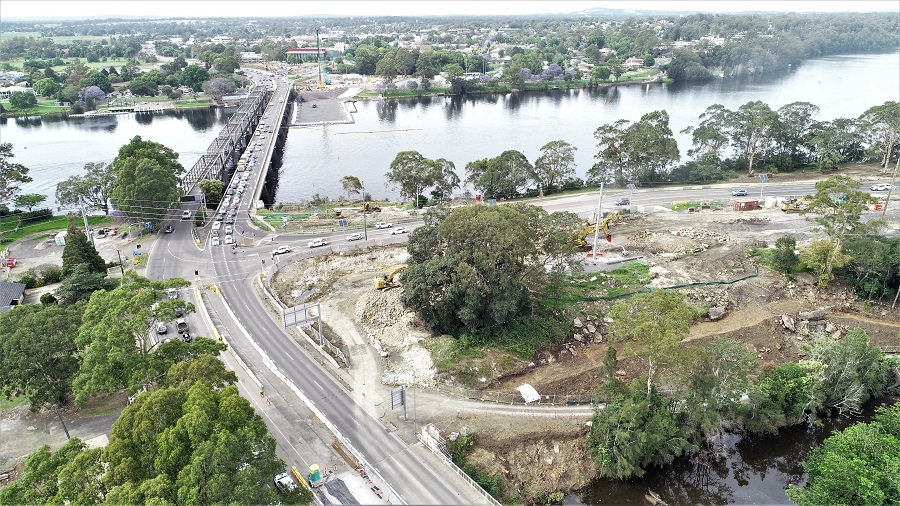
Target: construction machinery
[388, 281]
[370, 206]
[793, 205]
[588, 230]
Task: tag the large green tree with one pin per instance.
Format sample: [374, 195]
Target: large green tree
[475, 269]
[29, 200]
[147, 179]
[413, 173]
[93, 188]
[38, 357]
[881, 125]
[857, 466]
[653, 325]
[213, 190]
[752, 130]
[629, 152]
[501, 176]
[352, 186]
[81, 283]
[80, 251]
[555, 165]
[40, 483]
[194, 76]
[11, 175]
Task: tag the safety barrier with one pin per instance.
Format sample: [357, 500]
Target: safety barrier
[433, 441]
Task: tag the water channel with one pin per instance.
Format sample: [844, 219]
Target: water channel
[458, 129]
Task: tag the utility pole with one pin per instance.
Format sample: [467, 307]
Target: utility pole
[87, 229]
[597, 223]
[888, 201]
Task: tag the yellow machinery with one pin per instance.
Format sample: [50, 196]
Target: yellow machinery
[795, 205]
[588, 230]
[370, 207]
[388, 281]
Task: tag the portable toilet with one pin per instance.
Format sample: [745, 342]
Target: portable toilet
[60, 238]
[314, 475]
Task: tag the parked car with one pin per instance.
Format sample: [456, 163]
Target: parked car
[740, 192]
[315, 243]
[282, 250]
[185, 215]
[215, 241]
[172, 293]
[181, 325]
[399, 230]
[169, 229]
[881, 187]
[382, 224]
[229, 229]
[229, 220]
[187, 337]
[623, 202]
[102, 232]
[229, 239]
[354, 237]
[220, 216]
[161, 328]
[217, 225]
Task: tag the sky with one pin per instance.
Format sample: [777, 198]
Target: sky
[273, 8]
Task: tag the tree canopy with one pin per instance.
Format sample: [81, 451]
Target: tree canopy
[555, 165]
[147, 179]
[79, 250]
[95, 187]
[11, 175]
[413, 173]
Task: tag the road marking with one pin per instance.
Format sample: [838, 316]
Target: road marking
[317, 384]
[354, 420]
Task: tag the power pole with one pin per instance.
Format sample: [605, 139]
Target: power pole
[87, 229]
[597, 223]
[319, 59]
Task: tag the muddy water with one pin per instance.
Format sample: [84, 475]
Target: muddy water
[757, 470]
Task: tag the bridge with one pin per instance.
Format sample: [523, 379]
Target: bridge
[222, 155]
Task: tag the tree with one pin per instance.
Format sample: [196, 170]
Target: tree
[218, 87]
[855, 466]
[711, 136]
[39, 483]
[10, 174]
[476, 269]
[80, 251]
[352, 185]
[634, 431]
[194, 76]
[631, 151]
[555, 165]
[600, 73]
[823, 256]
[94, 187]
[213, 190]
[89, 96]
[22, 99]
[503, 175]
[837, 141]
[785, 259]
[837, 207]
[612, 155]
[46, 87]
[386, 68]
[656, 321]
[94, 78]
[75, 72]
[795, 129]
[881, 123]
[752, 130]
[114, 340]
[447, 182]
[81, 283]
[29, 200]
[37, 352]
[413, 173]
[146, 179]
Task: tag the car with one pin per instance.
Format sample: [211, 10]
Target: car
[281, 250]
[354, 237]
[229, 239]
[399, 230]
[215, 241]
[740, 192]
[161, 328]
[382, 224]
[172, 293]
[217, 225]
[315, 243]
[881, 187]
[169, 229]
[186, 337]
[285, 483]
[232, 213]
[229, 220]
[179, 312]
[229, 229]
[220, 216]
[102, 232]
[229, 191]
[185, 215]
[181, 325]
[314, 106]
[623, 202]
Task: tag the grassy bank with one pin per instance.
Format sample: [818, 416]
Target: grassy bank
[12, 229]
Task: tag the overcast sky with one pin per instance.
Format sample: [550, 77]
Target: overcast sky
[268, 8]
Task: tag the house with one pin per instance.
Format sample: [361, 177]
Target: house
[5, 92]
[11, 294]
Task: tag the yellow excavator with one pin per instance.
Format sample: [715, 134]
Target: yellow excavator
[586, 235]
[795, 205]
[388, 281]
[371, 206]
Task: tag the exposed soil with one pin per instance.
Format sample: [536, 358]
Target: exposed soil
[546, 455]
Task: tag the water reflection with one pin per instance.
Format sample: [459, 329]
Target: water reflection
[29, 121]
[387, 110]
[144, 118]
[453, 107]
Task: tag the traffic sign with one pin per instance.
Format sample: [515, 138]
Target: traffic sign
[631, 187]
[763, 177]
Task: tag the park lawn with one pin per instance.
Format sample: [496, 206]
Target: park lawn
[180, 104]
[43, 106]
[57, 223]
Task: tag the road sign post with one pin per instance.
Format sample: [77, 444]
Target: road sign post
[762, 179]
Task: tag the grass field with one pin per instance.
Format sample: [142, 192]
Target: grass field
[58, 40]
[57, 223]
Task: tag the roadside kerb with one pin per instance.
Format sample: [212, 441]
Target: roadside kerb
[393, 497]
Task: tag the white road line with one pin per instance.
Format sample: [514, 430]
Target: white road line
[354, 420]
[317, 384]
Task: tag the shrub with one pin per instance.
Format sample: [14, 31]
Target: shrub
[48, 299]
[785, 259]
[49, 273]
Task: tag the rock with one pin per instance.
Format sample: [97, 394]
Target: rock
[716, 313]
[578, 323]
[830, 327]
[591, 328]
[620, 372]
[803, 327]
[598, 337]
[837, 334]
[788, 322]
[818, 314]
[578, 337]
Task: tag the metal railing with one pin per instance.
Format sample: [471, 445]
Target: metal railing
[432, 440]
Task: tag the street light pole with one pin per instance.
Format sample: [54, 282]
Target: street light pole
[597, 223]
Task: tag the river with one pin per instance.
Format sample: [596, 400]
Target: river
[458, 129]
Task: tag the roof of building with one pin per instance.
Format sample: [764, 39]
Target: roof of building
[10, 292]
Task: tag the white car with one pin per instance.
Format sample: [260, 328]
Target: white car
[215, 241]
[382, 224]
[185, 215]
[399, 230]
[229, 239]
[217, 225]
[229, 229]
[881, 187]
[161, 328]
[315, 243]
[354, 237]
[281, 250]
